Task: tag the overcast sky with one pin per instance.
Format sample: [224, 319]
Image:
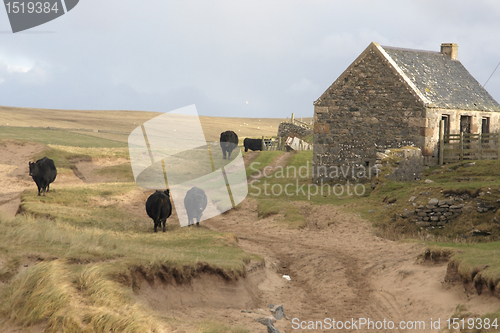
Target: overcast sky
[230, 58]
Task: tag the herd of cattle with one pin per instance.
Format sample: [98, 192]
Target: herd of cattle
[158, 205]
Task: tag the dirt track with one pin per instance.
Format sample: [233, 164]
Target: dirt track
[338, 268]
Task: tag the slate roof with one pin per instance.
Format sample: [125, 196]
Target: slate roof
[444, 82]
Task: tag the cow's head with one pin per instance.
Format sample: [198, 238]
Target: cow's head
[33, 168]
[167, 192]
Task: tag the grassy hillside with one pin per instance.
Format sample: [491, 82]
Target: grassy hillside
[126, 121]
[87, 250]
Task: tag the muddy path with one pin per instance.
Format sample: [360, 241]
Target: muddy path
[14, 173]
[340, 269]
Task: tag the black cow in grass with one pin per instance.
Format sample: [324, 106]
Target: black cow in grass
[195, 203]
[228, 142]
[159, 208]
[252, 144]
[43, 173]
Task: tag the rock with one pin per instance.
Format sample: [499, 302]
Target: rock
[433, 201]
[266, 321]
[412, 198]
[456, 206]
[407, 213]
[423, 224]
[428, 181]
[434, 218]
[480, 233]
[279, 313]
[272, 329]
[371, 211]
[466, 165]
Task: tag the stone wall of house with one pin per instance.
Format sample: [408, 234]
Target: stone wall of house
[434, 116]
[367, 110]
[286, 129]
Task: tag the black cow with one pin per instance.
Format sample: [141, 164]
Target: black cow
[252, 144]
[228, 142]
[159, 208]
[195, 203]
[43, 173]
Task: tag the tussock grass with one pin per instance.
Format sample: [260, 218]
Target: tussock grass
[71, 299]
[209, 326]
[36, 294]
[92, 205]
[86, 278]
[292, 215]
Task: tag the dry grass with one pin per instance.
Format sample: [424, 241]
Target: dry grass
[126, 121]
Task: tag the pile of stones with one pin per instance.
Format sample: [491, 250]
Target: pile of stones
[436, 213]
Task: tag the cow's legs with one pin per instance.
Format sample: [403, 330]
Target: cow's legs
[164, 227]
[156, 226]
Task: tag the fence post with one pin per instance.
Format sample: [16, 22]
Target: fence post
[461, 146]
[498, 146]
[480, 146]
[263, 144]
[293, 118]
[441, 142]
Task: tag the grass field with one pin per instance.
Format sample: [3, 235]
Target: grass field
[90, 253]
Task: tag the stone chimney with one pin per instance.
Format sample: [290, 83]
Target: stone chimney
[450, 49]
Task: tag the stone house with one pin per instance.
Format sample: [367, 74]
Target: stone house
[393, 97]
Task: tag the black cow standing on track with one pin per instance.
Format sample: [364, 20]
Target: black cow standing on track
[252, 144]
[43, 173]
[195, 203]
[228, 142]
[159, 208]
